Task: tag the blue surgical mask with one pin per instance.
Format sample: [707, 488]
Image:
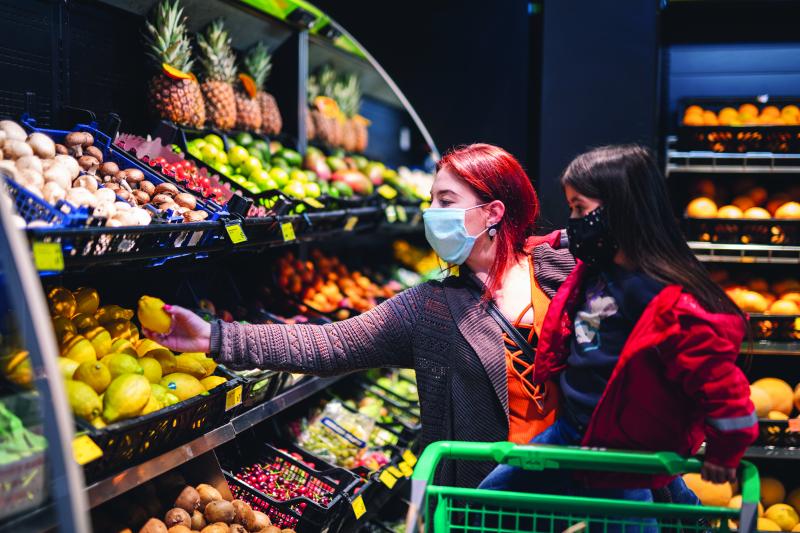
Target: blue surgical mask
[447, 234]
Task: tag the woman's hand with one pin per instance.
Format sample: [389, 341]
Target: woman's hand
[189, 332]
[718, 474]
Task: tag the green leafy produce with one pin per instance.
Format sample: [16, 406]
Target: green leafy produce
[16, 441]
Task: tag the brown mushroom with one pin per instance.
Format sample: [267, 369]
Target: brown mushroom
[95, 152]
[75, 142]
[168, 205]
[166, 188]
[185, 199]
[109, 168]
[61, 149]
[141, 197]
[113, 186]
[195, 216]
[159, 199]
[147, 187]
[134, 175]
[88, 163]
[122, 193]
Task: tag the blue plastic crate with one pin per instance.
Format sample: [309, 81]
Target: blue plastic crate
[33, 208]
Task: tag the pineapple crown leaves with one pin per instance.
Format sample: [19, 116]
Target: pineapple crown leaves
[168, 38]
[257, 62]
[216, 55]
[348, 94]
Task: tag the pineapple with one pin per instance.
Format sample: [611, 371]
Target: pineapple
[258, 64]
[327, 127]
[348, 95]
[174, 93]
[248, 112]
[219, 68]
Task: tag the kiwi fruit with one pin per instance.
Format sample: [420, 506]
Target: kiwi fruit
[207, 494]
[179, 529]
[261, 521]
[220, 511]
[188, 499]
[244, 515]
[271, 529]
[287, 530]
[219, 527]
[198, 520]
[154, 525]
[237, 528]
[178, 517]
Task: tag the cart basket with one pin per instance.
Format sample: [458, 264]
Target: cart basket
[451, 509]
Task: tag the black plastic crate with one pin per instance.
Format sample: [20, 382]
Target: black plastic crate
[130, 442]
[778, 433]
[773, 231]
[328, 489]
[775, 328]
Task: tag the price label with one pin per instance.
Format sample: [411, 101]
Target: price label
[387, 479]
[391, 214]
[85, 450]
[405, 468]
[387, 192]
[359, 509]
[313, 202]
[288, 231]
[233, 398]
[351, 223]
[794, 425]
[401, 214]
[409, 457]
[236, 233]
[47, 256]
[395, 471]
[416, 219]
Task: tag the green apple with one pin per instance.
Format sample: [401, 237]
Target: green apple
[237, 155]
[312, 190]
[280, 176]
[244, 138]
[312, 176]
[221, 159]
[196, 143]
[216, 140]
[298, 175]
[225, 169]
[278, 162]
[262, 179]
[238, 178]
[295, 189]
[250, 165]
[209, 152]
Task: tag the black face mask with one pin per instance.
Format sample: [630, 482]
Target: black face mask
[590, 238]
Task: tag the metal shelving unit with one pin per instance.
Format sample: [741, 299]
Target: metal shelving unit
[746, 253]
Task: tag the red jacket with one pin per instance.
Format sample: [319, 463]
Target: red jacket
[675, 384]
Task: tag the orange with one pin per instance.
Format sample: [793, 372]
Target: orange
[710, 494]
[771, 111]
[765, 524]
[705, 187]
[789, 210]
[790, 110]
[757, 212]
[758, 285]
[728, 115]
[710, 118]
[751, 302]
[782, 397]
[693, 109]
[174, 73]
[784, 307]
[702, 208]
[744, 202]
[748, 110]
[776, 201]
[758, 194]
[695, 119]
[772, 491]
[729, 211]
[762, 401]
[792, 297]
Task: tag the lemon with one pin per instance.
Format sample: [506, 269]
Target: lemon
[100, 339]
[62, 302]
[152, 369]
[145, 345]
[165, 358]
[98, 422]
[765, 524]
[152, 315]
[79, 349]
[783, 515]
[110, 313]
[212, 381]
[152, 405]
[122, 363]
[172, 399]
[87, 300]
[67, 366]
[123, 346]
[83, 322]
[125, 397]
[160, 392]
[119, 329]
[183, 386]
[62, 326]
[189, 365]
[96, 375]
[83, 400]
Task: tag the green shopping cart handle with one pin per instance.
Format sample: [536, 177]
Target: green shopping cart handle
[541, 457]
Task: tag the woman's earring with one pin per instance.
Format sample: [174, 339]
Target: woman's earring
[492, 232]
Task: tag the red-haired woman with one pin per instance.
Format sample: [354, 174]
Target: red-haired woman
[474, 382]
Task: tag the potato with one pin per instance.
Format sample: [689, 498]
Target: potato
[219, 527]
[178, 516]
[208, 494]
[243, 514]
[220, 511]
[154, 525]
[188, 499]
[261, 521]
[198, 520]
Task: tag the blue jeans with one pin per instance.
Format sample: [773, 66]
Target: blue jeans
[511, 478]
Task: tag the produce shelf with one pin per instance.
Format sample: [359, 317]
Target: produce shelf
[772, 348]
[745, 253]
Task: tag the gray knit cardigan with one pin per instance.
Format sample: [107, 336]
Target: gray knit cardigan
[437, 328]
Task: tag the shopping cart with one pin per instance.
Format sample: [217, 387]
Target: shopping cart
[451, 509]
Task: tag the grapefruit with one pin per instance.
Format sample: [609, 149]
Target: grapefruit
[777, 415]
[765, 524]
[780, 393]
[783, 515]
[784, 307]
[757, 213]
[736, 503]
[702, 208]
[762, 401]
[709, 493]
[751, 302]
[744, 202]
[793, 499]
[772, 492]
[729, 211]
[789, 210]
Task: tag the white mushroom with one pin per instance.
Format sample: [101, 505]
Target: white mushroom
[105, 195]
[87, 182]
[104, 210]
[126, 218]
[14, 149]
[53, 192]
[81, 196]
[30, 162]
[19, 222]
[59, 174]
[143, 218]
[70, 163]
[122, 206]
[38, 224]
[13, 130]
[9, 169]
[42, 145]
[113, 223]
[31, 179]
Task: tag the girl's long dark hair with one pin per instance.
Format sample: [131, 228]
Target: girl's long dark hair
[626, 179]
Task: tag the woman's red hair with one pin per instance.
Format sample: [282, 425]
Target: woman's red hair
[494, 174]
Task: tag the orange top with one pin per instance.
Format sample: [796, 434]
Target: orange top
[531, 409]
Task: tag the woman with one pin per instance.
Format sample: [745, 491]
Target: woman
[642, 341]
[473, 385]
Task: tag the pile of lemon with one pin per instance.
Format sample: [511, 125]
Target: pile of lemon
[110, 372]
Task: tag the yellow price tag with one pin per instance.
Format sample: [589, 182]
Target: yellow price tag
[313, 202]
[359, 509]
[409, 457]
[391, 214]
[236, 233]
[351, 223]
[387, 479]
[387, 191]
[85, 450]
[233, 398]
[405, 468]
[395, 472]
[47, 256]
[401, 214]
[288, 231]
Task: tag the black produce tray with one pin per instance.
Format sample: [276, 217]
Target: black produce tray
[130, 442]
[778, 433]
[775, 328]
[773, 231]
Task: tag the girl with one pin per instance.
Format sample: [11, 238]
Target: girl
[473, 385]
[641, 341]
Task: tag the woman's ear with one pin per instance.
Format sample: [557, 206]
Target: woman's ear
[496, 210]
